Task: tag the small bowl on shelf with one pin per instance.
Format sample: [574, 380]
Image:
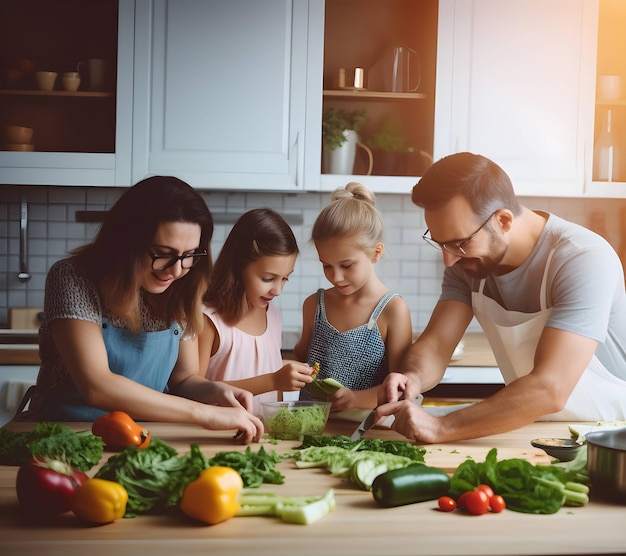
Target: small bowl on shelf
[18, 135]
[26, 147]
[291, 420]
[563, 449]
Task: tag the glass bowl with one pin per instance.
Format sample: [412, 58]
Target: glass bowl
[291, 420]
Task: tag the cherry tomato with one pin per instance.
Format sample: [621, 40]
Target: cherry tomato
[486, 489]
[446, 504]
[497, 503]
[460, 503]
[477, 502]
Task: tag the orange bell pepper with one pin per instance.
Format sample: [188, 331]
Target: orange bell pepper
[214, 496]
[118, 430]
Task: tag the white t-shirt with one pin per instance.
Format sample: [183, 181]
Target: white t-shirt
[585, 288]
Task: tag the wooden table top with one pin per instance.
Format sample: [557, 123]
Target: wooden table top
[357, 526]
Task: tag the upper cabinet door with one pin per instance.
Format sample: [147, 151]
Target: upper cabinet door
[511, 89]
[220, 92]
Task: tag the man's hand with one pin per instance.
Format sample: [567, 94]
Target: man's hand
[397, 386]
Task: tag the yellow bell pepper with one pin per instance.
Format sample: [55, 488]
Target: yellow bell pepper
[100, 501]
[214, 496]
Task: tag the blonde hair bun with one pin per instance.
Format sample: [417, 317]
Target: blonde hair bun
[354, 190]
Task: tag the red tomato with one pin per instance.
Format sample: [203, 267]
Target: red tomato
[46, 486]
[446, 504]
[461, 500]
[497, 503]
[486, 489]
[477, 502]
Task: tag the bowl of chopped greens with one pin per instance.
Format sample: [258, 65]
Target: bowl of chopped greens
[291, 420]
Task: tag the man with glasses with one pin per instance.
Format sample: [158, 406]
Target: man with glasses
[548, 293]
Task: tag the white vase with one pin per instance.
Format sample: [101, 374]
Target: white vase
[341, 159]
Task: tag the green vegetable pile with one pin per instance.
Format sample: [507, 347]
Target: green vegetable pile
[527, 488]
[292, 424]
[82, 450]
[156, 476]
[358, 462]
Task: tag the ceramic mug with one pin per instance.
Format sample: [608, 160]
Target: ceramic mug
[46, 80]
[97, 72]
[71, 80]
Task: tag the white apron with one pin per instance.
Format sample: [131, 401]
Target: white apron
[513, 337]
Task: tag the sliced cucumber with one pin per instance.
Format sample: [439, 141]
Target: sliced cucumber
[365, 470]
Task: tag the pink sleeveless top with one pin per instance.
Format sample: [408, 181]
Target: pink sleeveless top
[241, 355]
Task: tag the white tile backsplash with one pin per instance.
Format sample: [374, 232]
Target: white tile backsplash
[409, 265]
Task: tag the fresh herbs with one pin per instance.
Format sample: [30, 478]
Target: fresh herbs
[527, 488]
[254, 468]
[82, 450]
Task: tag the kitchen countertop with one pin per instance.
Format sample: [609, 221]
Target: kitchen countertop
[357, 526]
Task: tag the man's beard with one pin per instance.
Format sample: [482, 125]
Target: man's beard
[488, 265]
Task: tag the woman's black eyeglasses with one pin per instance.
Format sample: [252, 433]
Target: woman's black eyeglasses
[457, 247]
[161, 262]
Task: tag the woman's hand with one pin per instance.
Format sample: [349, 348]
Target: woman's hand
[293, 376]
[229, 396]
[249, 427]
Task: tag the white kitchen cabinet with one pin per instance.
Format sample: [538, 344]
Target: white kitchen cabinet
[80, 137]
[511, 86]
[220, 92]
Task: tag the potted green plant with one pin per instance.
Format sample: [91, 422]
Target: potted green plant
[392, 154]
[335, 122]
[340, 139]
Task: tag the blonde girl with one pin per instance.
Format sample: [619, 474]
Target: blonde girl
[357, 330]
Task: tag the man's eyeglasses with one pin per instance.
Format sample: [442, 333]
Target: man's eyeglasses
[161, 262]
[457, 247]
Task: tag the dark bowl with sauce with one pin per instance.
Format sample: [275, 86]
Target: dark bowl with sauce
[563, 449]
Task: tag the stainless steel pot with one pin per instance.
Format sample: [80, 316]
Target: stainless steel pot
[606, 463]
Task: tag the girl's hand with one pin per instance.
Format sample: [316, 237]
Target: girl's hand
[249, 427]
[293, 376]
[230, 396]
[344, 398]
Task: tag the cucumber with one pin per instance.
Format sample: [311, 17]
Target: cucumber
[408, 485]
[365, 470]
[322, 387]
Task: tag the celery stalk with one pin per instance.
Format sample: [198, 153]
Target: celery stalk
[291, 509]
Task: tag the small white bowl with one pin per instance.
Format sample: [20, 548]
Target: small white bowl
[46, 80]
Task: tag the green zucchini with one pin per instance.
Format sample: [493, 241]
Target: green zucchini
[411, 484]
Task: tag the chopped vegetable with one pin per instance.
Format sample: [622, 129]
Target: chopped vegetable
[396, 447]
[214, 496]
[47, 486]
[293, 423]
[415, 483]
[81, 450]
[301, 510]
[118, 430]
[100, 501]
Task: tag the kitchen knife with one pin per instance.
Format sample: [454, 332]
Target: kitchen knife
[368, 422]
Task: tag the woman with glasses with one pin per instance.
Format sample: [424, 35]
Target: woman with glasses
[122, 316]
[548, 293]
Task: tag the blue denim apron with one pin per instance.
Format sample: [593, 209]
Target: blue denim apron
[146, 357]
